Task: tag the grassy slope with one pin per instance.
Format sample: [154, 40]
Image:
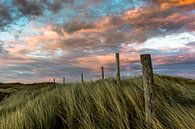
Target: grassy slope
[99, 105]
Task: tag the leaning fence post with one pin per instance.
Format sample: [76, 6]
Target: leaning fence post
[117, 67]
[149, 88]
[82, 77]
[102, 68]
[64, 81]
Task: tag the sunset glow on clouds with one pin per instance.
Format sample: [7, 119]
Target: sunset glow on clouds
[43, 39]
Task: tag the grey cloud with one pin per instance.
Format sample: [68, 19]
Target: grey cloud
[36, 69]
[4, 16]
[76, 24]
[56, 5]
[3, 50]
[28, 9]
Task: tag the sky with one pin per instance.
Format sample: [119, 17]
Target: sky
[45, 39]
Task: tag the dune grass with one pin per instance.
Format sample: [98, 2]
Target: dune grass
[100, 105]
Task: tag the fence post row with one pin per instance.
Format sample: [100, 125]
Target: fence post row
[117, 67]
[148, 84]
[149, 88]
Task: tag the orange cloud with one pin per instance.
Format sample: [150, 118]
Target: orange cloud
[96, 61]
[183, 2]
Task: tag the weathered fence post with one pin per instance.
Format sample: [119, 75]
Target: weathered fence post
[82, 77]
[149, 88]
[54, 82]
[102, 72]
[118, 78]
[64, 81]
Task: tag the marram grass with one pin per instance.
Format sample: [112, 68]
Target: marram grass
[100, 105]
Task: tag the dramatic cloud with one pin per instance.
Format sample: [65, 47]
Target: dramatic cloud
[42, 39]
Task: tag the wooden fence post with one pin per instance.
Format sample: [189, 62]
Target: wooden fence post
[82, 77]
[118, 78]
[54, 82]
[64, 81]
[102, 72]
[149, 88]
